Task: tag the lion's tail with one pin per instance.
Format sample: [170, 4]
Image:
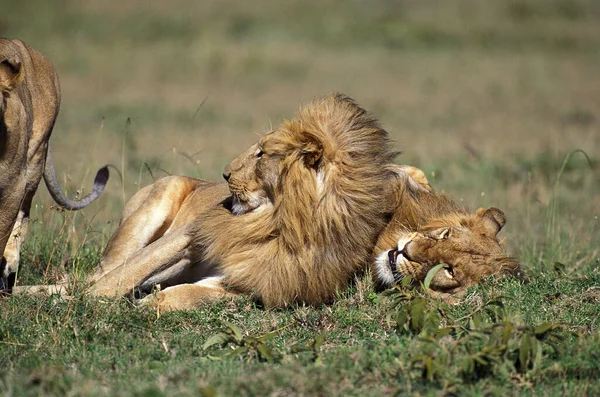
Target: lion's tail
[59, 196]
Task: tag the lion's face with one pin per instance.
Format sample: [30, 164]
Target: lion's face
[252, 177]
[468, 247]
[256, 176]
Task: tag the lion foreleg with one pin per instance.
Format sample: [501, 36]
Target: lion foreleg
[52, 289]
[146, 217]
[161, 254]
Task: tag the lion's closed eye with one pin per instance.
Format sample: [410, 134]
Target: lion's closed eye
[444, 234]
[439, 234]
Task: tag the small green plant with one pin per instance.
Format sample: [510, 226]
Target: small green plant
[245, 346]
[414, 312]
[256, 347]
[313, 346]
[480, 342]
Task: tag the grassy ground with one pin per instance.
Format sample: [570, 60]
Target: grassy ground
[489, 98]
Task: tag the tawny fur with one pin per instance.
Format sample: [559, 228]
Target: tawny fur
[29, 104]
[433, 229]
[309, 241]
[304, 208]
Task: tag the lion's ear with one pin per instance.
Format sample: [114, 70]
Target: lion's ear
[493, 220]
[11, 73]
[312, 151]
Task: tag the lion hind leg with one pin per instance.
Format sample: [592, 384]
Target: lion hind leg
[146, 217]
[187, 296]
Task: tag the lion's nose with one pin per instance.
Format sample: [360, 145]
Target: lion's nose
[226, 176]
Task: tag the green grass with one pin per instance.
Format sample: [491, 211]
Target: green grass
[488, 98]
[86, 347]
[356, 346]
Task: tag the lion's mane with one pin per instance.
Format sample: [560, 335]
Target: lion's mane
[326, 209]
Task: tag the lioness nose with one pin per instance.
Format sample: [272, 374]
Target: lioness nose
[226, 175]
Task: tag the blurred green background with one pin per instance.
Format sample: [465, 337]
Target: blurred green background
[488, 97]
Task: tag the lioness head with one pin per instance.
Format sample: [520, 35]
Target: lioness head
[468, 246]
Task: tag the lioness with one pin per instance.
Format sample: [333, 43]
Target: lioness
[30, 102]
[428, 229]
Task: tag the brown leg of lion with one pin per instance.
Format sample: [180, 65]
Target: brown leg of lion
[52, 289]
[146, 218]
[163, 253]
[187, 296]
[151, 246]
[12, 252]
[152, 242]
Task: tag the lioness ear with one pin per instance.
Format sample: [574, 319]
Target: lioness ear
[312, 152]
[11, 74]
[493, 220]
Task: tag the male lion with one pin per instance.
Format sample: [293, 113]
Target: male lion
[30, 101]
[428, 229]
[298, 217]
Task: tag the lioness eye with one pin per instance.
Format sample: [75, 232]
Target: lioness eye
[259, 153]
